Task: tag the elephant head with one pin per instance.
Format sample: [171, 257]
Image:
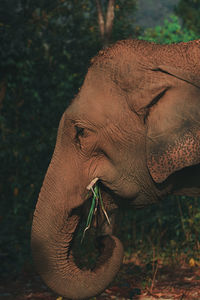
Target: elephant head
[134, 124]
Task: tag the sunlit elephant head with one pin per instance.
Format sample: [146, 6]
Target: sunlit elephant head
[134, 128]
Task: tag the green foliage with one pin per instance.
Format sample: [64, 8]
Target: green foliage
[124, 26]
[170, 32]
[189, 12]
[168, 231]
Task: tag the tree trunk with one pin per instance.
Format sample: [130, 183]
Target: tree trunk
[105, 23]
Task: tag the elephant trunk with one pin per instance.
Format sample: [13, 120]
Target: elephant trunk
[52, 233]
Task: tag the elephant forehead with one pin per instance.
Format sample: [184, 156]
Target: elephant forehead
[99, 101]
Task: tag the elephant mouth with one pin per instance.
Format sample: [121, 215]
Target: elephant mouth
[117, 198]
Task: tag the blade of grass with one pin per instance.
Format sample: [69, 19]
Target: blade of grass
[89, 218]
[94, 206]
[102, 207]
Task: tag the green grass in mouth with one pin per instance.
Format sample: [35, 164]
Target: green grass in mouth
[97, 203]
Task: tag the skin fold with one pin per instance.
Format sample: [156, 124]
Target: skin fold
[134, 125]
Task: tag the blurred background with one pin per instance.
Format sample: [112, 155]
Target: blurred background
[45, 50]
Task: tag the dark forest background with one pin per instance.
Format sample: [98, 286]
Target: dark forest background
[45, 50]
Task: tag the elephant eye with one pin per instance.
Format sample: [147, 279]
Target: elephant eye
[79, 132]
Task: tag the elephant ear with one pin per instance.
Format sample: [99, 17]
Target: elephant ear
[173, 134]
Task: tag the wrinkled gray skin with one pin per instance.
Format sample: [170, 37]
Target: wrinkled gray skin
[135, 125]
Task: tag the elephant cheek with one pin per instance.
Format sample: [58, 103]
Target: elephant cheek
[103, 169]
[164, 159]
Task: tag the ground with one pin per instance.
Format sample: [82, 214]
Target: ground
[132, 282]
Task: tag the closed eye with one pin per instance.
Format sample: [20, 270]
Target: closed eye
[153, 102]
[79, 131]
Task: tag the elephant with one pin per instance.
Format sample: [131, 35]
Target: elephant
[133, 128]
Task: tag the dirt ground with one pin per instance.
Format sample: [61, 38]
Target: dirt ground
[131, 283]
